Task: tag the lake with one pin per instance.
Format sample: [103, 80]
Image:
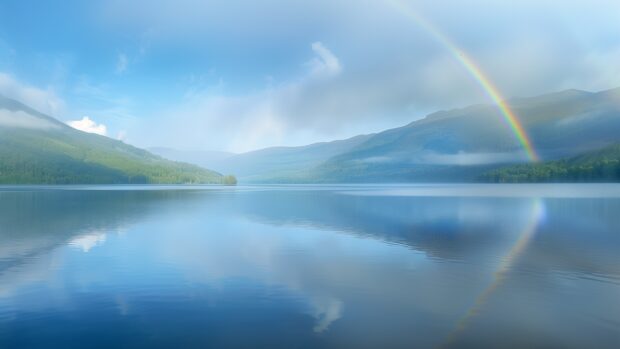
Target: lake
[352, 266]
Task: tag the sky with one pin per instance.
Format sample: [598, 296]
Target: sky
[240, 75]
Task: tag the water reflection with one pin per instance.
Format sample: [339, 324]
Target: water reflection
[506, 263]
[87, 241]
[304, 267]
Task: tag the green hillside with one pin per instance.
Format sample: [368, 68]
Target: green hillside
[598, 166]
[37, 149]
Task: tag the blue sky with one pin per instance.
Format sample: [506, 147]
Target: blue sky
[239, 75]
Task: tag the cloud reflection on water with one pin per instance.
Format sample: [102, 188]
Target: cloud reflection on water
[87, 241]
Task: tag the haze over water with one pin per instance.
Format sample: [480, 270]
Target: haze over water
[375, 266]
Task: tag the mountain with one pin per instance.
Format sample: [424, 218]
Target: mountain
[597, 166]
[38, 149]
[276, 164]
[454, 145]
[206, 159]
[459, 145]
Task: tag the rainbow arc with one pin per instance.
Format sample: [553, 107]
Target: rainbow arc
[476, 72]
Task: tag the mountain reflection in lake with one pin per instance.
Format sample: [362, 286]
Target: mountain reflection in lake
[310, 267]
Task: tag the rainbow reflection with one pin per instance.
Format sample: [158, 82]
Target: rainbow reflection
[536, 215]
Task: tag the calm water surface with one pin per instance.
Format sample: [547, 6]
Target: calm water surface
[435, 266]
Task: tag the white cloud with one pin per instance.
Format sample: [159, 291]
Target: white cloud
[388, 70]
[20, 119]
[121, 63]
[246, 122]
[121, 135]
[469, 159]
[43, 100]
[326, 62]
[460, 159]
[88, 125]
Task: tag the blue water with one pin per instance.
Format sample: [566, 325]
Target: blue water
[419, 266]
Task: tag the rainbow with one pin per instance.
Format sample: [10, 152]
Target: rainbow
[524, 238]
[474, 70]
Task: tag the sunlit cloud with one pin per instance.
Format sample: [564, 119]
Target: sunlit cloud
[87, 125]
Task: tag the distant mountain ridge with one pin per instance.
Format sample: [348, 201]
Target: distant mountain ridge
[201, 158]
[454, 145]
[38, 149]
[275, 164]
[459, 145]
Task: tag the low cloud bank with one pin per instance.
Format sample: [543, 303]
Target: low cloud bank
[20, 119]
